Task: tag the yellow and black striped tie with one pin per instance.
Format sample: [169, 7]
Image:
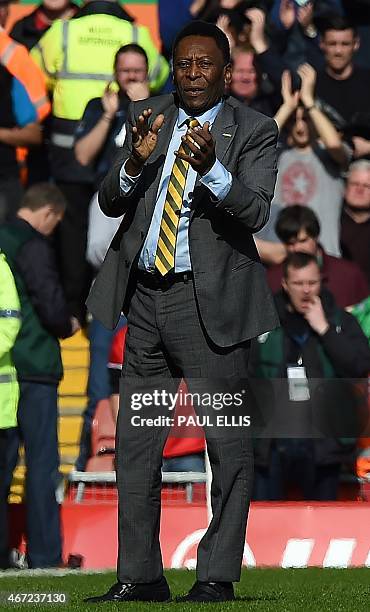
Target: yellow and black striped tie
[165, 255]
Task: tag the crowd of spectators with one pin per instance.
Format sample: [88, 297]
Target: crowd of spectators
[67, 76]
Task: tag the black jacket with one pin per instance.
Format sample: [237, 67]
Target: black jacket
[45, 317]
[337, 410]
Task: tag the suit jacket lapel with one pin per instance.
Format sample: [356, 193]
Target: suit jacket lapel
[223, 130]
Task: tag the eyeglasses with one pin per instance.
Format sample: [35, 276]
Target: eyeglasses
[357, 184]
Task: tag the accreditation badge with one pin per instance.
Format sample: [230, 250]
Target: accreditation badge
[298, 384]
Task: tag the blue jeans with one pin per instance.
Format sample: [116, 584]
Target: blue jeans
[37, 428]
[184, 463]
[98, 384]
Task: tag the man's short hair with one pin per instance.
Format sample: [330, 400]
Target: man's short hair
[360, 164]
[130, 48]
[43, 194]
[292, 219]
[244, 48]
[297, 261]
[334, 21]
[208, 30]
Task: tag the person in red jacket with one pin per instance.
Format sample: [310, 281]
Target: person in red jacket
[29, 29]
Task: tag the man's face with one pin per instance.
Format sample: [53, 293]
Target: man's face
[302, 285]
[244, 76]
[302, 243]
[199, 73]
[56, 5]
[4, 12]
[130, 68]
[357, 192]
[339, 47]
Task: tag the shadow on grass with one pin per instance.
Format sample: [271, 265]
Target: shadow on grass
[237, 600]
[252, 598]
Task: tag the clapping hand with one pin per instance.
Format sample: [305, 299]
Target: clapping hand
[308, 80]
[290, 97]
[361, 147]
[110, 101]
[223, 23]
[200, 143]
[305, 15]
[257, 31]
[144, 140]
[287, 13]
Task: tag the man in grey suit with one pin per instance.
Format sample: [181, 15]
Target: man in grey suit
[195, 180]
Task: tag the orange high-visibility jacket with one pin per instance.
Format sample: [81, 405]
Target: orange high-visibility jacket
[16, 59]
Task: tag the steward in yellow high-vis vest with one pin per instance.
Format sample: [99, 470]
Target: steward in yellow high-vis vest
[10, 322]
[77, 58]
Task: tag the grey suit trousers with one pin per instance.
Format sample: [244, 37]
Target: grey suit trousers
[166, 341]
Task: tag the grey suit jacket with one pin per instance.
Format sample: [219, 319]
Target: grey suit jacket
[234, 301]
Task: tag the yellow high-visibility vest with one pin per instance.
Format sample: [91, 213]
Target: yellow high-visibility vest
[10, 322]
[77, 59]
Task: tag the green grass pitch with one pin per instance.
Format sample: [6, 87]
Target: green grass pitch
[262, 590]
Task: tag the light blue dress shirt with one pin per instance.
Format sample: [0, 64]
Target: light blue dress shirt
[218, 180]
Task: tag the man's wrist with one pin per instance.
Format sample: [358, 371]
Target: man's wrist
[107, 117]
[309, 105]
[323, 329]
[218, 180]
[208, 169]
[286, 110]
[133, 166]
[260, 46]
[128, 181]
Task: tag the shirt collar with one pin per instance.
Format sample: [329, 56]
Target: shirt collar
[210, 115]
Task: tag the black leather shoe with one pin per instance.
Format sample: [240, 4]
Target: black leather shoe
[209, 592]
[149, 591]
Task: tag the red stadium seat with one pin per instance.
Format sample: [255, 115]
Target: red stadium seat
[103, 438]
[103, 432]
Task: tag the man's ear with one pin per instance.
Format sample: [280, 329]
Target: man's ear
[283, 284]
[228, 74]
[357, 43]
[48, 210]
